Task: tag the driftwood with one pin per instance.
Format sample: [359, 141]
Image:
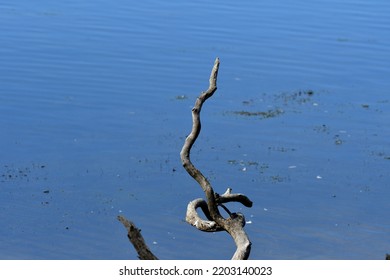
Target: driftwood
[135, 237]
[235, 223]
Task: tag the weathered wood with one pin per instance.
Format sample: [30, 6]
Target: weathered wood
[135, 237]
[234, 224]
[236, 221]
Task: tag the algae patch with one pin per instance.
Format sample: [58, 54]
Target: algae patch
[261, 114]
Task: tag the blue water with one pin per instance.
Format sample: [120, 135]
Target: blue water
[95, 104]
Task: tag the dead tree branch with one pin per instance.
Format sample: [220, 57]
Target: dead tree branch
[135, 237]
[236, 221]
[234, 224]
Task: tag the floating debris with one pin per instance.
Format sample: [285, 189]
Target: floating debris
[278, 178]
[337, 140]
[34, 171]
[262, 114]
[248, 102]
[300, 96]
[181, 97]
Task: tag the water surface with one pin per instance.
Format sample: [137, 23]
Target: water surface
[95, 102]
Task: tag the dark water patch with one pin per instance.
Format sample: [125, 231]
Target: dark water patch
[32, 172]
[297, 97]
[280, 103]
[263, 115]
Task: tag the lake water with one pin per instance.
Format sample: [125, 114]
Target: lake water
[96, 100]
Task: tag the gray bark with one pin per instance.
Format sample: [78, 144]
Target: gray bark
[135, 237]
[234, 225]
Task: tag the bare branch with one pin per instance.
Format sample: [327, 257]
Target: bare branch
[190, 140]
[135, 237]
[235, 223]
[234, 197]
